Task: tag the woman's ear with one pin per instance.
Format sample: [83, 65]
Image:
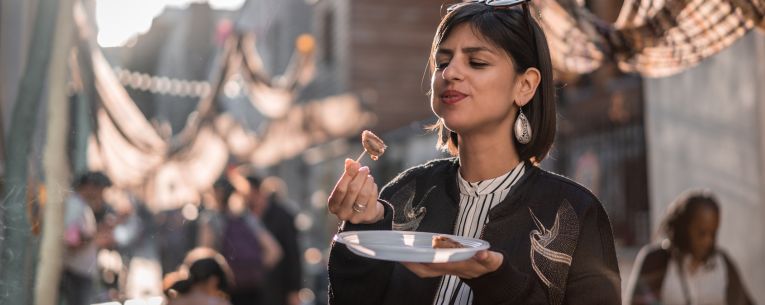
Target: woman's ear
[527, 86]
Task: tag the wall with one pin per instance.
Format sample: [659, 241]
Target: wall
[706, 128]
[390, 42]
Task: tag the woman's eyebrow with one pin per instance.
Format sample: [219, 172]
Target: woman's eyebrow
[471, 50]
[468, 50]
[444, 51]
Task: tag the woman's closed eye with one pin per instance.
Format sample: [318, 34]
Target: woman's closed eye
[442, 65]
[472, 63]
[478, 64]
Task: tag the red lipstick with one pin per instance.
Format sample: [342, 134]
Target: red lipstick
[451, 97]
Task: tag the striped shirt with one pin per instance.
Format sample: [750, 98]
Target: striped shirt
[476, 199]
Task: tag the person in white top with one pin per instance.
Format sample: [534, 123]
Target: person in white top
[687, 268]
[82, 237]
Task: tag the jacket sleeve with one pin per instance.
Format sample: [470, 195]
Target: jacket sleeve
[522, 289]
[593, 277]
[292, 257]
[594, 274]
[736, 292]
[644, 286]
[355, 279]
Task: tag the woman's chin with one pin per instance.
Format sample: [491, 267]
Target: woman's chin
[455, 124]
[454, 128]
[702, 254]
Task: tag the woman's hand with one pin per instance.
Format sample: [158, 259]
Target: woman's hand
[481, 263]
[354, 198]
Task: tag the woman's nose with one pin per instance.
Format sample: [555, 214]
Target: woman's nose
[451, 72]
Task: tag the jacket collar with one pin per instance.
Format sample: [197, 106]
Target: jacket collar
[452, 188]
[504, 207]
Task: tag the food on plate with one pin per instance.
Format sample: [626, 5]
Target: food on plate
[443, 242]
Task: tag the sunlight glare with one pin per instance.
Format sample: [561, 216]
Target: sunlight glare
[120, 21]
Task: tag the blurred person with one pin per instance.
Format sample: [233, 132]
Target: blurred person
[687, 267]
[174, 278]
[136, 243]
[207, 283]
[175, 235]
[492, 91]
[171, 282]
[212, 217]
[241, 237]
[271, 204]
[213, 222]
[83, 236]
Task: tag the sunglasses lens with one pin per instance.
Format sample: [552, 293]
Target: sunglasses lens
[494, 3]
[504, 2]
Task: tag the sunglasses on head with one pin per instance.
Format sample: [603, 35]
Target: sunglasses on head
[503, 4]
[495, 3]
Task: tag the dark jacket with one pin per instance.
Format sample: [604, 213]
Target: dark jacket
[286, 276]
[651, 265]
[541, 207]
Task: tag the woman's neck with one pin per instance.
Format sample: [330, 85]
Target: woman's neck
[486, 156]
[695, 262]
[204, 288]
[694, 266]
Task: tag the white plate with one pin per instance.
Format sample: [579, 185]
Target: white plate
[407, 246]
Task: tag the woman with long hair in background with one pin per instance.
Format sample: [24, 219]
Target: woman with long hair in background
[686, 266]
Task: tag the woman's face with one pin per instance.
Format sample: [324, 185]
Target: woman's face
[473, 84]
[702, 232]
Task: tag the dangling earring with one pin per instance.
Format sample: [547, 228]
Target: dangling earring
[522, 128]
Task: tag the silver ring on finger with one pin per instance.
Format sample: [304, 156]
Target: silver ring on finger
[358, 208]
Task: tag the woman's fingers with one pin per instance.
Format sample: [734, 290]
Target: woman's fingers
[489, 260]
[359, 205]
[482, 263]
[421, 270]
[334, 203]
[461, 269]
[354, 197]
[372, 200]
[366, 209]
[352, 193]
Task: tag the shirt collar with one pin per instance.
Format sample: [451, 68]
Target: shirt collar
[492, 185]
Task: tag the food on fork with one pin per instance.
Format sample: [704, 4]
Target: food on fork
[373, 145]
[443, 242]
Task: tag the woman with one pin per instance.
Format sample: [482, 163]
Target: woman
[492, 91]
[687, 268]
[207, 284]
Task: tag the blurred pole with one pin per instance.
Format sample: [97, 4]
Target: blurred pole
[16, 260]
[84, 101]
[55, 161]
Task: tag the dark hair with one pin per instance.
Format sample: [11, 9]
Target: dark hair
[92, 178]
[254, 181]
[508, 29]
[224, 185]
[200, 271]
[680, 213]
